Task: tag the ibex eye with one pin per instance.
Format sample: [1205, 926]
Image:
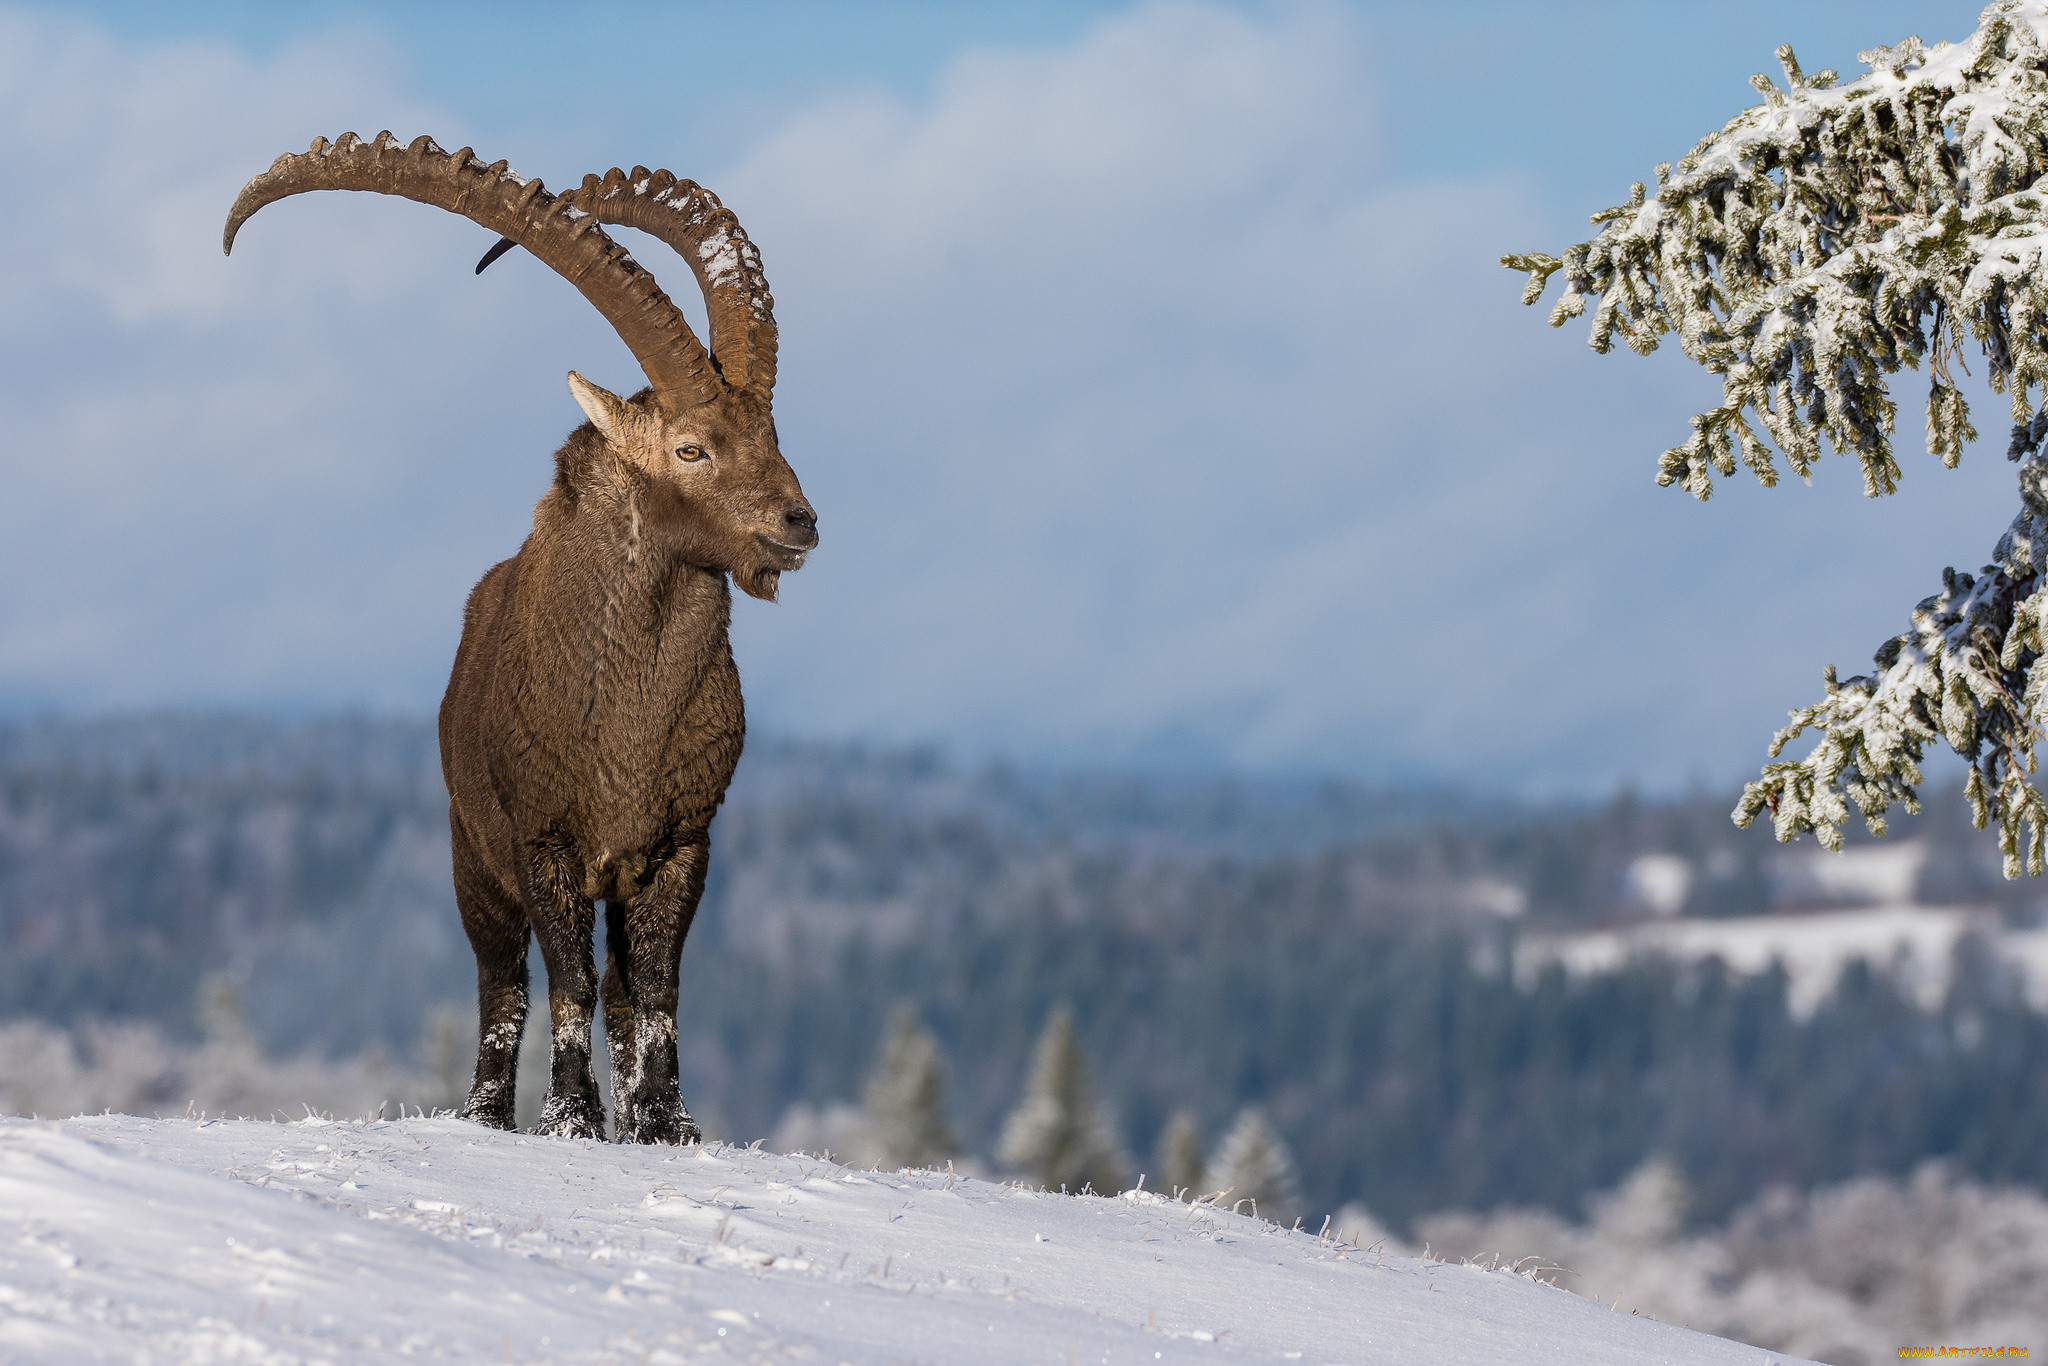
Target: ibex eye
[689, 452]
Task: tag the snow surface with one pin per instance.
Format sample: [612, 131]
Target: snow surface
[144, 1240]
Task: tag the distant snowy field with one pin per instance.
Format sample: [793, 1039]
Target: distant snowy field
[1918, 943]
[140, 1241]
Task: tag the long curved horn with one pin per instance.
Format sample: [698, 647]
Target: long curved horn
[564, 236]
[705, 233]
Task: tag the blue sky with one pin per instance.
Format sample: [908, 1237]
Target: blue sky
[1149, 365]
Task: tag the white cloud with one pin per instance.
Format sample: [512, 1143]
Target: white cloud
[1158, 392]
[1139, 399]
[139, 142]
[229, 479]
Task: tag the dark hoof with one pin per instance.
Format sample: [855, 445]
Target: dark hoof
[490, 1107]
[660, 1122]
[569, 1119]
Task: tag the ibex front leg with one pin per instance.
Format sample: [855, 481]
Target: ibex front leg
[563, 919]
[646, 943]
[497, 927]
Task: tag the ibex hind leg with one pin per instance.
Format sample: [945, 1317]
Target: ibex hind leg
[497, 930]
[562, 922]
[616, 992]
[655, 925]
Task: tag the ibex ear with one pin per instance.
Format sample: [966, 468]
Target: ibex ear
[605, 409]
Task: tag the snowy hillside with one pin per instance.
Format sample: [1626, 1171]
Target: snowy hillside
[179, 1240]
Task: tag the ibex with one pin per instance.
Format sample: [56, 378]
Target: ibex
[593, 718]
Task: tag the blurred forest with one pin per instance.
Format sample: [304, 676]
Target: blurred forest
[223, 890]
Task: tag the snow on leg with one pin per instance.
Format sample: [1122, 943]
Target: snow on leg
[563, 921]
[656, 923]
[497, 929]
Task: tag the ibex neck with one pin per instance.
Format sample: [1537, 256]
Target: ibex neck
[608, 565]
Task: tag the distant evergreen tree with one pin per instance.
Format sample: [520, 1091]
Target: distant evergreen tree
[1254, 1164]
[447, 1050]
[1647, 1210]
[1057, 1134]
[1180, 1157]
[221, 1014]
[906, 1096]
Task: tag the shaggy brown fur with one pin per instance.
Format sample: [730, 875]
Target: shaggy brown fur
[590, 728]
[593, 718]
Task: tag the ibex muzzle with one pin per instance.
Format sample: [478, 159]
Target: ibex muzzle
[594, 718]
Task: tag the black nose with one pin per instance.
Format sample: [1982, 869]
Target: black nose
[799, 518]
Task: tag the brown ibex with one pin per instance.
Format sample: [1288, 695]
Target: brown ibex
[593, 718]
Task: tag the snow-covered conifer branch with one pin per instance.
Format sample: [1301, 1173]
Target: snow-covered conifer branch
[1964, 674]
[1821, 241]
[1831, 235]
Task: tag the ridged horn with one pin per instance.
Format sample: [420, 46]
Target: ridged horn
[566, 237]
[705, 233]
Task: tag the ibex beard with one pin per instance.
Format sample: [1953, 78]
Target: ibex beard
[593, 718]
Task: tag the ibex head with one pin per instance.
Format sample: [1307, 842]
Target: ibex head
[701, 437]
[709, 475]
